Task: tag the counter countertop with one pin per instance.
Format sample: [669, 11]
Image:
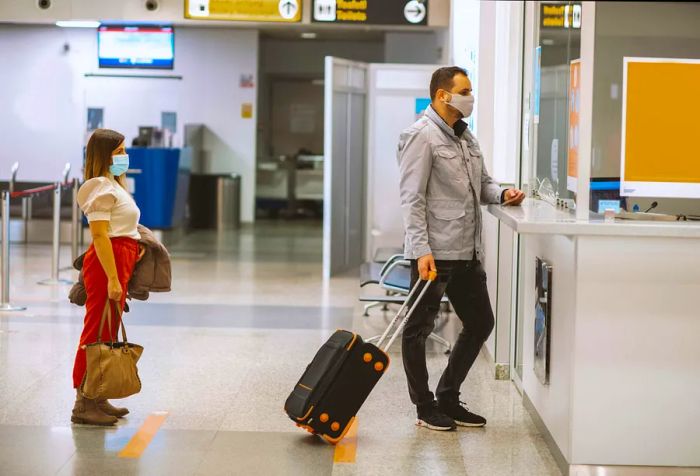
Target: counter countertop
[539, 217]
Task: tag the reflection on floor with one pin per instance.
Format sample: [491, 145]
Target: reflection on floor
[247, 312]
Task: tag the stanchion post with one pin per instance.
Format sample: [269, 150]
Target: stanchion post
[66, 173]
[26, 215]
[13, 176]
[56, 248]
[56, 240]
[5, 305]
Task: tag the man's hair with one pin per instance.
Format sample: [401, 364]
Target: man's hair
[443, 78]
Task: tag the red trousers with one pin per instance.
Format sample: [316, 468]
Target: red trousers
[126, 252]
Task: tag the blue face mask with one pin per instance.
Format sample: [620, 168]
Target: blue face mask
[120, 164]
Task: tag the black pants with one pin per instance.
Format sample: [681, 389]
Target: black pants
[465, 285]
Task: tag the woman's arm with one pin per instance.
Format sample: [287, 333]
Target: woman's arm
[103, 248]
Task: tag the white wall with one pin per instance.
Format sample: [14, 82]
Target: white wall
[42, 114]
[28, 11]
[507, 96]
[46, 95]
[393, 90]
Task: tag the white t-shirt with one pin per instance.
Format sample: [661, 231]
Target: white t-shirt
[103, 199]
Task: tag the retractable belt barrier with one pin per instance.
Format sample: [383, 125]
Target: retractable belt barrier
[26, 196]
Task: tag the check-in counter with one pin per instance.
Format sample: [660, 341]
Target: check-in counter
[159, 180]
[624, 360]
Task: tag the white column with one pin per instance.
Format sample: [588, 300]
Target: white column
[586, 118]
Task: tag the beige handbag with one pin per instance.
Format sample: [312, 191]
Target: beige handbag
[111, 367]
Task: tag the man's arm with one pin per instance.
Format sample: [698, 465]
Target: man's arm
[491, 192]
[415, 163]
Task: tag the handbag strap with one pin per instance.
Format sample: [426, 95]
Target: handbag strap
[107, 316]
[120, 314]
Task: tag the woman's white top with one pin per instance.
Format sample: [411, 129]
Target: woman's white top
[103, 199]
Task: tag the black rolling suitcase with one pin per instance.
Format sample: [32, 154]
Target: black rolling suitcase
[341, 376]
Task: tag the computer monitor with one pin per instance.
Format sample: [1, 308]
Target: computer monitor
[136, 46]
[605, 194]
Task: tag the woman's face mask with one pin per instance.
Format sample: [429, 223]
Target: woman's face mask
[464, 104]
[120, 164]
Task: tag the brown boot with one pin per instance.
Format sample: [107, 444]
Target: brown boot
[111, 410]
[86, 412]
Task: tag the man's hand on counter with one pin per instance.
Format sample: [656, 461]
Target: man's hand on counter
[512, 196]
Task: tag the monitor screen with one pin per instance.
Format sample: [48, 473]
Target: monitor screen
[660, 153]
[136, 46]
[605, 195]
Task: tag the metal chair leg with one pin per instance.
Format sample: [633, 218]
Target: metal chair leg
[442, 341]
[370, 306]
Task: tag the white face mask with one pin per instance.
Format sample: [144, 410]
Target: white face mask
[464, 104]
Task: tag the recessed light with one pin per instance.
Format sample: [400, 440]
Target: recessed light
[78, 23]
[309, 35]
[547, 42]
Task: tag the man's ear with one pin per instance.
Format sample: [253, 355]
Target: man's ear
[439, 95]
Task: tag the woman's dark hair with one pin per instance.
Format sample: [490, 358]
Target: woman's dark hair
[443, 78]
[98, 158]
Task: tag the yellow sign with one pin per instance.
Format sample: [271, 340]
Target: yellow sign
[561, 16]
[351, 10]
[284, 11]
[247, 110]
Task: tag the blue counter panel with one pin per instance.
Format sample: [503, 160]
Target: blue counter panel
[156, 175]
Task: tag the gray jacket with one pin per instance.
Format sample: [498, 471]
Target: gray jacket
[443, 182]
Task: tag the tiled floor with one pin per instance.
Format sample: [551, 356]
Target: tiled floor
[247, 312]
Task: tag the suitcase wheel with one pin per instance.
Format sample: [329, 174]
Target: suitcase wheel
[307, 428]
[367, 357]
[378, 366]
[324, 417]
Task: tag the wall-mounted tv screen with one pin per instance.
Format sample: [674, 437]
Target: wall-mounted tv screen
[136, 46]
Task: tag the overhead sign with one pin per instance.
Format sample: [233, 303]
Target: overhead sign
[560, 16]
[371, 12]
[285, 11]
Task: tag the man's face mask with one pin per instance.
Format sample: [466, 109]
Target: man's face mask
[464, 104]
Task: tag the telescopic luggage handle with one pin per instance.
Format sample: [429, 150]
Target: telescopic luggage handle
[432, 276]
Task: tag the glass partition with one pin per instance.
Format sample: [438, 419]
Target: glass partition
[552, 49]
[558, 46]
[662, 116]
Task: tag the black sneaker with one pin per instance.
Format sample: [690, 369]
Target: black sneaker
[461, 414]
[431, 417]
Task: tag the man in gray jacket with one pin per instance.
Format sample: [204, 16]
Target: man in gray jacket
[443, 182]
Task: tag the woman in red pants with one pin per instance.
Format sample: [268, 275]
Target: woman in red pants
[110, 260]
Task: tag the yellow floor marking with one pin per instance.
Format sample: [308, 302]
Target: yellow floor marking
[142, 438]
[346, 449]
